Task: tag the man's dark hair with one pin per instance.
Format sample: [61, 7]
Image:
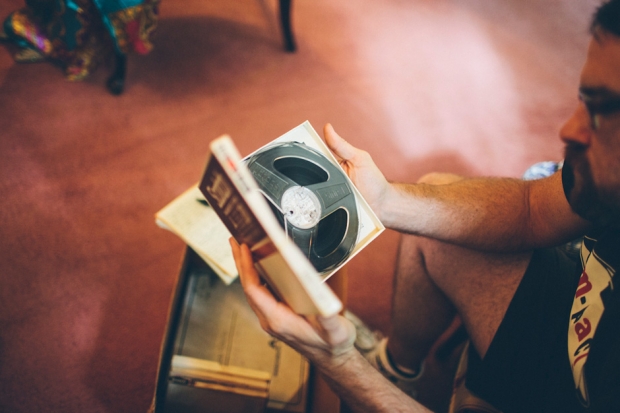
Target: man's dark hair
[607, 18]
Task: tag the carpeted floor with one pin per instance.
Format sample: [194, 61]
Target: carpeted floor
[465, 86]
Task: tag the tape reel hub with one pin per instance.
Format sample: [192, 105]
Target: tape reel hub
[301, 207]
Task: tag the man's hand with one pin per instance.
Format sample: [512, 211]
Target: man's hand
[361, 169]
[321, 339]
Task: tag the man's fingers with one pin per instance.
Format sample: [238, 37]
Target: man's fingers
[235, 250]
[244, 264]
[337, 326]
[337, 144]
[278, 320]
[336, 331]
[259, 296]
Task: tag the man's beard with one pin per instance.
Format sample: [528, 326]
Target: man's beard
[583, 196]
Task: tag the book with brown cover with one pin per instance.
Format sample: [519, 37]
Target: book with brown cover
[234, 195]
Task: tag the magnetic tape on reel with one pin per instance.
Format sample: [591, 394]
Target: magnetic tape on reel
[312, 199]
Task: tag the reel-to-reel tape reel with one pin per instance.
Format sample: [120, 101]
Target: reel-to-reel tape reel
[311, 198]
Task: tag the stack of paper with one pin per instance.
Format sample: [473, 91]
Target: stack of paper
[192, 219]
[220, 346]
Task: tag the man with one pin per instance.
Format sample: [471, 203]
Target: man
[544, 332]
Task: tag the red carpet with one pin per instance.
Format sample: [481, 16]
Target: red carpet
[470, 87]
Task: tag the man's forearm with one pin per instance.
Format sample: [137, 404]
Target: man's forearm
[363, 388]
[497, 214]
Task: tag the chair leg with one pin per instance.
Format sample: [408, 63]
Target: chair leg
[116, 82]
[285, 21]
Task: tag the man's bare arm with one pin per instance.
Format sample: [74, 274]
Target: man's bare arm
[494, 214]
[327, 342]
[498, 214]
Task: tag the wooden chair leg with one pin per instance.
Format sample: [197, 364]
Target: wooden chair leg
[285, 21]
[116, 82]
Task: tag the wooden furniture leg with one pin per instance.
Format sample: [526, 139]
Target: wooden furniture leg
[116, 82]
[285, 21]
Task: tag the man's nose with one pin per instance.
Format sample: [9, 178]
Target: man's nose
[578, 128]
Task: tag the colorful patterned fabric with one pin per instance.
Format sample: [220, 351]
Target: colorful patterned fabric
[80, 34]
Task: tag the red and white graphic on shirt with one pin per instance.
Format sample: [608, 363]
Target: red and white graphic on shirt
[586, 313]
